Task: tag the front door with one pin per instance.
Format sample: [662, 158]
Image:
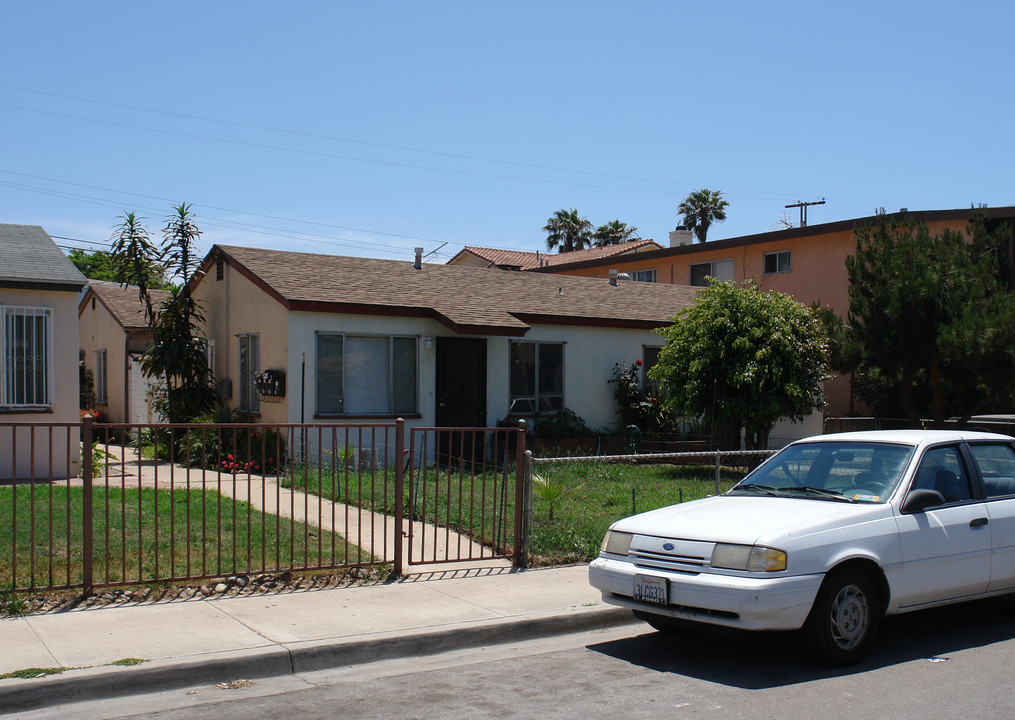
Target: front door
[461, 391]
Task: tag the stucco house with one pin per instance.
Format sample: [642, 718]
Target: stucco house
[808, 263]
[474, 256]
[330, 339]
[39, 290]
[113, 337]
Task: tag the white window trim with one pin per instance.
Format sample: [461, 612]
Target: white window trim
[390, 412]
[777, 271]
[6, 312]
[711, 272]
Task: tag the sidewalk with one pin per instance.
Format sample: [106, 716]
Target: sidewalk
[202, 641]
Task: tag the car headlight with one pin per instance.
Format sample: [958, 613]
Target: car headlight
[748, 557]
[616, 543]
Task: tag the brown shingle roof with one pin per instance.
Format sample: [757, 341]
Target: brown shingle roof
[123, 303]
[525, 260]
[466, 299]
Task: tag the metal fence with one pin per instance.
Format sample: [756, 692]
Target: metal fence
[141, 504]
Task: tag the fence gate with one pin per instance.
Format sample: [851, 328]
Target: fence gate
[464, 492]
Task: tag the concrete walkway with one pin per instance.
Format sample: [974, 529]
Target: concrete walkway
[195, 642]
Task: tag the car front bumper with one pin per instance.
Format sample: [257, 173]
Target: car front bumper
[748, 603]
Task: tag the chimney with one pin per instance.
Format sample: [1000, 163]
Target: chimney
[613, 276]
[680, 236]
[418, 264]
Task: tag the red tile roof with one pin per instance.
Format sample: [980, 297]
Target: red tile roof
[525, 260]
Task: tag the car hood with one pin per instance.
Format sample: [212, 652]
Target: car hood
[749, 520]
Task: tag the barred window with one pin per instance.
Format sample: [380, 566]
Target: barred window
[25, 357]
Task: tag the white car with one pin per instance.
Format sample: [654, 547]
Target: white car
[829, 535]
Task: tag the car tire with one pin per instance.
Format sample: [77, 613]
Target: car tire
[844, 621]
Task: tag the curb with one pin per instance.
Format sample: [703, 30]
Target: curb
[288, 659]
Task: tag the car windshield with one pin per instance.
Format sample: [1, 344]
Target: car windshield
[837, 471]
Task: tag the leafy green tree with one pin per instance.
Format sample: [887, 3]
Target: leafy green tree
[100, 265]
[933, 318]
[700, 209]
[741, 359]
[614, 233]
[178, 354]
[566, 231]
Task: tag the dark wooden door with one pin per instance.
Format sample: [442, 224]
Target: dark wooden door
[461, 392]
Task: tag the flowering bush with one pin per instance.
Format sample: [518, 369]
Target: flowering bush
[634, 405]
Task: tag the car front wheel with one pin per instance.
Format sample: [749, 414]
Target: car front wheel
[845, 618]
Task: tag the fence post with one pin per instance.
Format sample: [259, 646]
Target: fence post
[527, 531]
[717, 455]
[518, 559]
[400, 466]
[87, 539]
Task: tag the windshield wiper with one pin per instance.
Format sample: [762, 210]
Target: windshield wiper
[809, 490]
[760, 488]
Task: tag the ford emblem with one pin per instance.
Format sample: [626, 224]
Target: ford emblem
[668, 546]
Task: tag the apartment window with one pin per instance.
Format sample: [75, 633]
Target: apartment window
[367, 375]
[537, 378]
[100, 378]
[24, 357]
[721, 270]
[777, 262]
[250, 368]
[643, 276]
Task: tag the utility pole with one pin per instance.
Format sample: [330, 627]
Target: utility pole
[803, 209]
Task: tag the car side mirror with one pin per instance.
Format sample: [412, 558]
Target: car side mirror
[919, 500]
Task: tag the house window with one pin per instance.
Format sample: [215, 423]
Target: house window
[644, 276]
[250, 368]
[209, 355]
[777, 262]
[721, 270]
[537, 378]
[24, 357]
[100, 378]
[650, 356]
[367, 375]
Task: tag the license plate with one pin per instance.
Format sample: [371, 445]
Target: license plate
[651, 589]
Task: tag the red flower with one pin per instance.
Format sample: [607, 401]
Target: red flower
[638, 363]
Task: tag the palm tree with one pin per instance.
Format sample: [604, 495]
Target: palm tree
[700, 209]
[566, 231]
[613, 233]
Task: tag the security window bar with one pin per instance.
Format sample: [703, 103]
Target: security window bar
[720, 270]
[25, 357]
[777, 262]
[537, 378]
[367, 375]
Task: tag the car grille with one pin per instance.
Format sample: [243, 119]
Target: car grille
[673, 562]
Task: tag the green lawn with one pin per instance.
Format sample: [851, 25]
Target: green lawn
[585, 497]
[143, 536]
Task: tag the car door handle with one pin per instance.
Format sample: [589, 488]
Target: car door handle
[977, 522]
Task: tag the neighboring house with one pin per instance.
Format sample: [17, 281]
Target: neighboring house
[39, 290]
[439, 345]
[524, 260]
[113, 337]
[808, 263]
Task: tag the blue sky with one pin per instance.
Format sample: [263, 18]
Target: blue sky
[371, 128]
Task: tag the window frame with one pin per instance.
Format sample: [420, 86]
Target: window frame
[247, 398]
[778, 255]
[537, 399]
[711, 264]
[394, 408]
[647, 275]
[8, 381]
[101, 378]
